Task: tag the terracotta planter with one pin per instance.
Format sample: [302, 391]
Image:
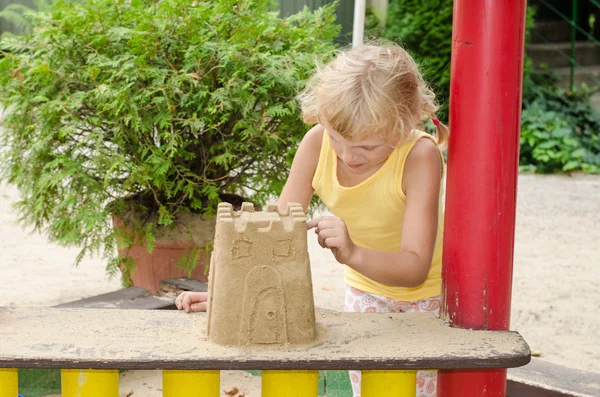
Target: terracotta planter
[193, 232]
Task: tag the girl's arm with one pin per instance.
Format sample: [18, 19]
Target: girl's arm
[409, 266]
[298, 187]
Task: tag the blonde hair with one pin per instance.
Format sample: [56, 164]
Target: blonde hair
[371, 89]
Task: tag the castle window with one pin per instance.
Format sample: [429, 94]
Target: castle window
[282, 250]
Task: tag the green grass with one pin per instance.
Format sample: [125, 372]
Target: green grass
[336, 384]
[39, 382]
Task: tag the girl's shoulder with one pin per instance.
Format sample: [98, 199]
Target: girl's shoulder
[424, 160]
[313, 139]
[309, 150]
[423, 148]
[420, 147]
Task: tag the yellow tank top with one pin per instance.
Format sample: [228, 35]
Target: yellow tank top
[373, 211]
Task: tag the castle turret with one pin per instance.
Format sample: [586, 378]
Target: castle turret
[260, 286]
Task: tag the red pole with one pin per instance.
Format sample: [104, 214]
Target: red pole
[483, 154]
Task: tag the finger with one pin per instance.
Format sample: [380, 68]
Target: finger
[333, 224]
[199, 307]
[327, 233]
[202, 296]
[312, 223]
[334, 242]
[185, 295]
[197, 296]
[186, 302]
[320, 241]
[178, 300]
[316, 221]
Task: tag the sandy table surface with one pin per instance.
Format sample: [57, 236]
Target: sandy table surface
[556, 284]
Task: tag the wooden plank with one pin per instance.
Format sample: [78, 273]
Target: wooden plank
[128, 298]
[545, 379]
[183, 284]
[144, 339]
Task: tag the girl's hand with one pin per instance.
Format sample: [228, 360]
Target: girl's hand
[192, 301]
[333, 234]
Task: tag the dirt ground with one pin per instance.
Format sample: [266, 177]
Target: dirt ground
[556, 284]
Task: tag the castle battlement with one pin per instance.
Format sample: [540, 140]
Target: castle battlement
[260, 286]
[247, 220]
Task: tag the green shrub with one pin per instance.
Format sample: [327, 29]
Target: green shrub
[157, 107]
[424, 27]
[559, 129]
[17, 15]
[373, 23]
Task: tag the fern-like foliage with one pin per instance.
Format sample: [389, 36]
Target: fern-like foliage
[155, 107]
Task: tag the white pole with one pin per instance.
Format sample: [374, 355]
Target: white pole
[358, 30]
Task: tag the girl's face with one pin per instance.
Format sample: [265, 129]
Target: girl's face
[362, 155]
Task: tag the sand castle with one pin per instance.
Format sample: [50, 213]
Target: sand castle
[260, 287]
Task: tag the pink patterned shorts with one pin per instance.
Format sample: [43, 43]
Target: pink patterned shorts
[361, 301]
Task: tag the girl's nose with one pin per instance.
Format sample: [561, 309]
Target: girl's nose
[347, 156]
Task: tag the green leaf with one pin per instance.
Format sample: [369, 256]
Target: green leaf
[150, 238]
[548, 144]
[165, 217]
[571, 165]
[146, 110]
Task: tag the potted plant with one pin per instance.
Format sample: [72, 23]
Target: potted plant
[149, 113]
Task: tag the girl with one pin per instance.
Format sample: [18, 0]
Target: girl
[380, 175]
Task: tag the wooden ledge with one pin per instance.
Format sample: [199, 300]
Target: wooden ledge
[142, 339]
[541, 378]
[128, 298]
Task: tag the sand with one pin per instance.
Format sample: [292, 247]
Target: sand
[260, 282]
[137, 338]
[556, 287]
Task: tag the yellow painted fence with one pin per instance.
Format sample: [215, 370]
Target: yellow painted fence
[204, 383]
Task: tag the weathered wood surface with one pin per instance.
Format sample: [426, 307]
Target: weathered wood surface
[183, 284]
[143, 339]
[541, 378]
[128, 298]
[139, 298]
